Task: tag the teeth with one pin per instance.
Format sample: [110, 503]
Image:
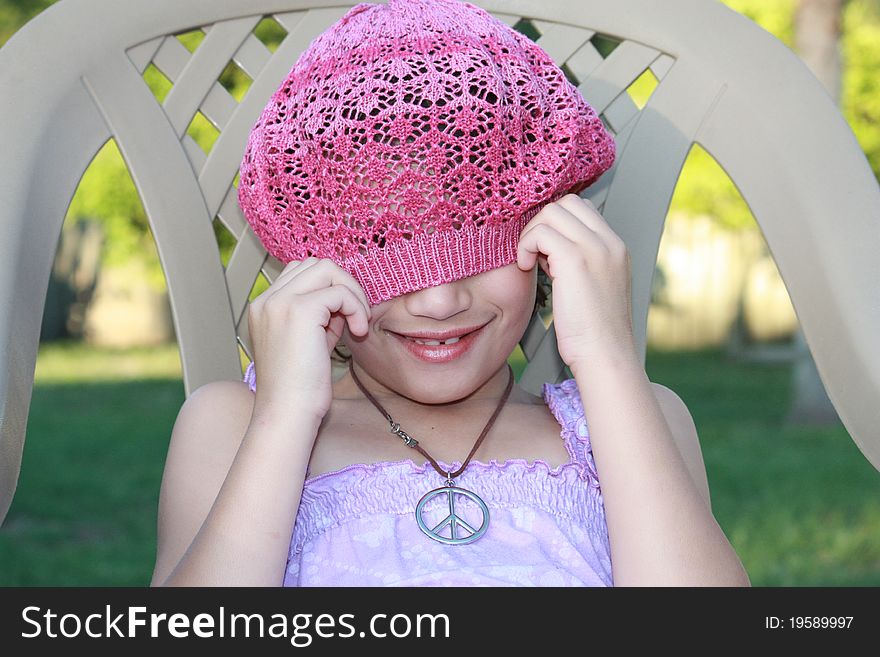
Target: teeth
[436, 342]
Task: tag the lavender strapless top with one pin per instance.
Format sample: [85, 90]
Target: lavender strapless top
[357, 526]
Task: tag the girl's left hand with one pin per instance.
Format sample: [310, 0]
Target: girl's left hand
[589, 266]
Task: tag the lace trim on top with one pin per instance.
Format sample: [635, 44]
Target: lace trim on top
[565, 402]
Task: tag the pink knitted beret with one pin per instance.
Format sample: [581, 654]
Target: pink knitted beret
[411, 143]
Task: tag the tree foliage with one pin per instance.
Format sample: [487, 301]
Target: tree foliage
[861, 76]
[15, 13]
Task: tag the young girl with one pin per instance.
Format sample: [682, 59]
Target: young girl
[419, 163]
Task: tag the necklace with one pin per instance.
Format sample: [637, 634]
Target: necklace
[460, 531]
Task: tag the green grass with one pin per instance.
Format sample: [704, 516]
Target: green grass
[98, 429]
[801, 506]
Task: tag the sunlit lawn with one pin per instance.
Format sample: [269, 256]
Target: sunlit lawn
[800, 506]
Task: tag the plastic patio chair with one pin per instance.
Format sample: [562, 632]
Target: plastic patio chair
[72, 79]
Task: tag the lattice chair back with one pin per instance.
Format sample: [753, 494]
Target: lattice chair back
[73, 78]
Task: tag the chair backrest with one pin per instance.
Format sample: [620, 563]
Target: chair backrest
[74, 79]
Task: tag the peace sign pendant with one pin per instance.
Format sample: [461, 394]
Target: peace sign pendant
[460, 531]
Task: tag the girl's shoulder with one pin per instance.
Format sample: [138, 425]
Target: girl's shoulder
[214, 417]
[225, 397]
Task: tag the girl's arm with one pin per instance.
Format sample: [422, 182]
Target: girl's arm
[237, 461]
[231, 489]
[661, 529]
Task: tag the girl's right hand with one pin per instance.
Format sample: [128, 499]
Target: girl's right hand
[294, 326]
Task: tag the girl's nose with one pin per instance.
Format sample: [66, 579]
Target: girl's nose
[439, 302]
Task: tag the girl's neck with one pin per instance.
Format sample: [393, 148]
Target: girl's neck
[487, 394]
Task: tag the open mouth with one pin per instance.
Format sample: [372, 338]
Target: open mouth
[437, 342]
[440, 351]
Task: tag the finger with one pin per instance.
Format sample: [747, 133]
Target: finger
[595, 243]
[564, 222]
[585, 211]
[290, 270]
[340, 299]
[336, 275]
[294, 267]
[545, 239]
[320, 273]
[334, 330]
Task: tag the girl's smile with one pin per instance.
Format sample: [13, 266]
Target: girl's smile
[445, 343]
[441, 347]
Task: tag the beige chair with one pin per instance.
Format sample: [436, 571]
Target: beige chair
[72, 79]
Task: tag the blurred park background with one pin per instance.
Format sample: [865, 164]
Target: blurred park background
[794, 495]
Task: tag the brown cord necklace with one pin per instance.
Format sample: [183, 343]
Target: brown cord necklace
[460, 531]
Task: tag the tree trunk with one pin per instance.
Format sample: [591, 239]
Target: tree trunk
[817, 40]
[72, 280]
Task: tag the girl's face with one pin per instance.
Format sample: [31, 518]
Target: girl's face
[500, 300]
